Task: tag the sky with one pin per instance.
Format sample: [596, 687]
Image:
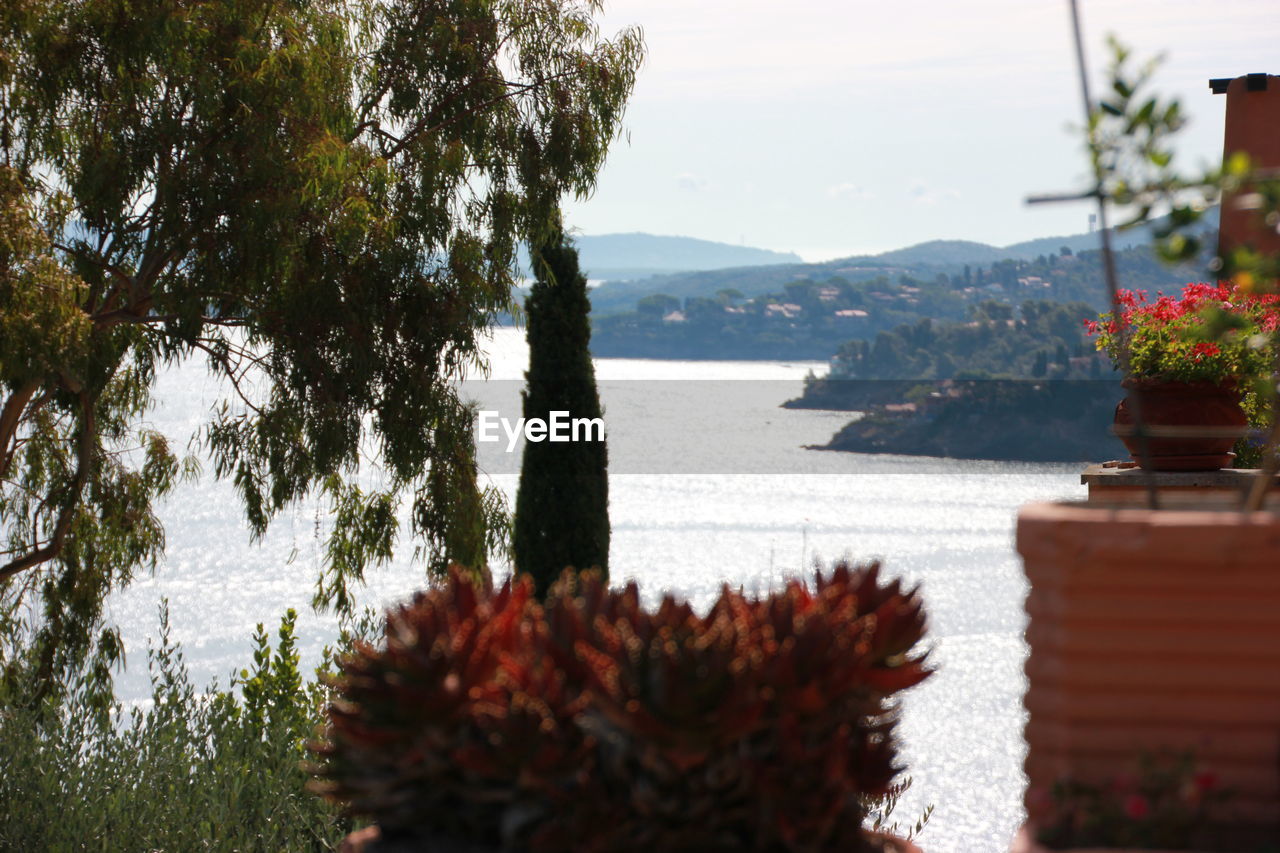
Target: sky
[839, 127]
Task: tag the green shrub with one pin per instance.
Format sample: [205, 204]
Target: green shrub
[207, 771]
[592, 723]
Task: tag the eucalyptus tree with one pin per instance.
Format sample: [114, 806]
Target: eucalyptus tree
[320, 198]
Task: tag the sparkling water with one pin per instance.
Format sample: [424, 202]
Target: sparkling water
[709, 484]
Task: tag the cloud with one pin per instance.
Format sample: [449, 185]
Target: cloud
[925, 195]
[850, 191]
[690, 182]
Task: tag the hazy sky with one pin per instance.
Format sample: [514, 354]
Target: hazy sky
[836, 127]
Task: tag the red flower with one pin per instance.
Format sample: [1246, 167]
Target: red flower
[1161, 332]
[1128, 298]
[1203, 349]
[1136, 806]
[1206, 780]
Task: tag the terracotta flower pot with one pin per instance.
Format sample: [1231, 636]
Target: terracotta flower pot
[1187, 405]
[1155, 631]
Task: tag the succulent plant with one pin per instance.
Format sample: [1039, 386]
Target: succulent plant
[452, 721]
[592, 723]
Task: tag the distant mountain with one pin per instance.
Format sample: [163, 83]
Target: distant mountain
[616, 296]
[1077, 243]
[923, 260]
[950, 253]
[945, 253]
[631, 256]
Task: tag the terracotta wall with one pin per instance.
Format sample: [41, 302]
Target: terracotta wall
[1154, 632]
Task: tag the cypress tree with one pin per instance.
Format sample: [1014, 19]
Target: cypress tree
[562, 505]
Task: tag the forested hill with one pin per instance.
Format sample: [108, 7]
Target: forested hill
[1006, 384]
[925, 261]
[1038, 340]
[812, 316]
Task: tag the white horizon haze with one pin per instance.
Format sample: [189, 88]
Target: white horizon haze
[842, 127]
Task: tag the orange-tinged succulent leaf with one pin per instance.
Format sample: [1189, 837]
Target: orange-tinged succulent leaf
[590, 722]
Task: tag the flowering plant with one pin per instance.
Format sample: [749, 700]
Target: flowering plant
[1165, 806]
[1211, 333]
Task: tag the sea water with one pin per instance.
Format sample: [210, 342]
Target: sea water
[710, 483]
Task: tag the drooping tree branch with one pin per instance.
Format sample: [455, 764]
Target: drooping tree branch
[10, 417]
[289, 171]
[233, 372]
[71, 503]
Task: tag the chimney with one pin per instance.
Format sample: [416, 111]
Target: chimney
[1253, 127]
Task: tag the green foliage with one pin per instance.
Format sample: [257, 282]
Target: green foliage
[880, 812]
[562, 505]
[1207, 333]
[1041, 365]
[71, 399]
[322, 199]
[1130, 143]
[186, 771]
[592, 723]
[726, 327]
[993, 342]
[986, 418]
[1130, 140]
[657, 304]
[1250, 450]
